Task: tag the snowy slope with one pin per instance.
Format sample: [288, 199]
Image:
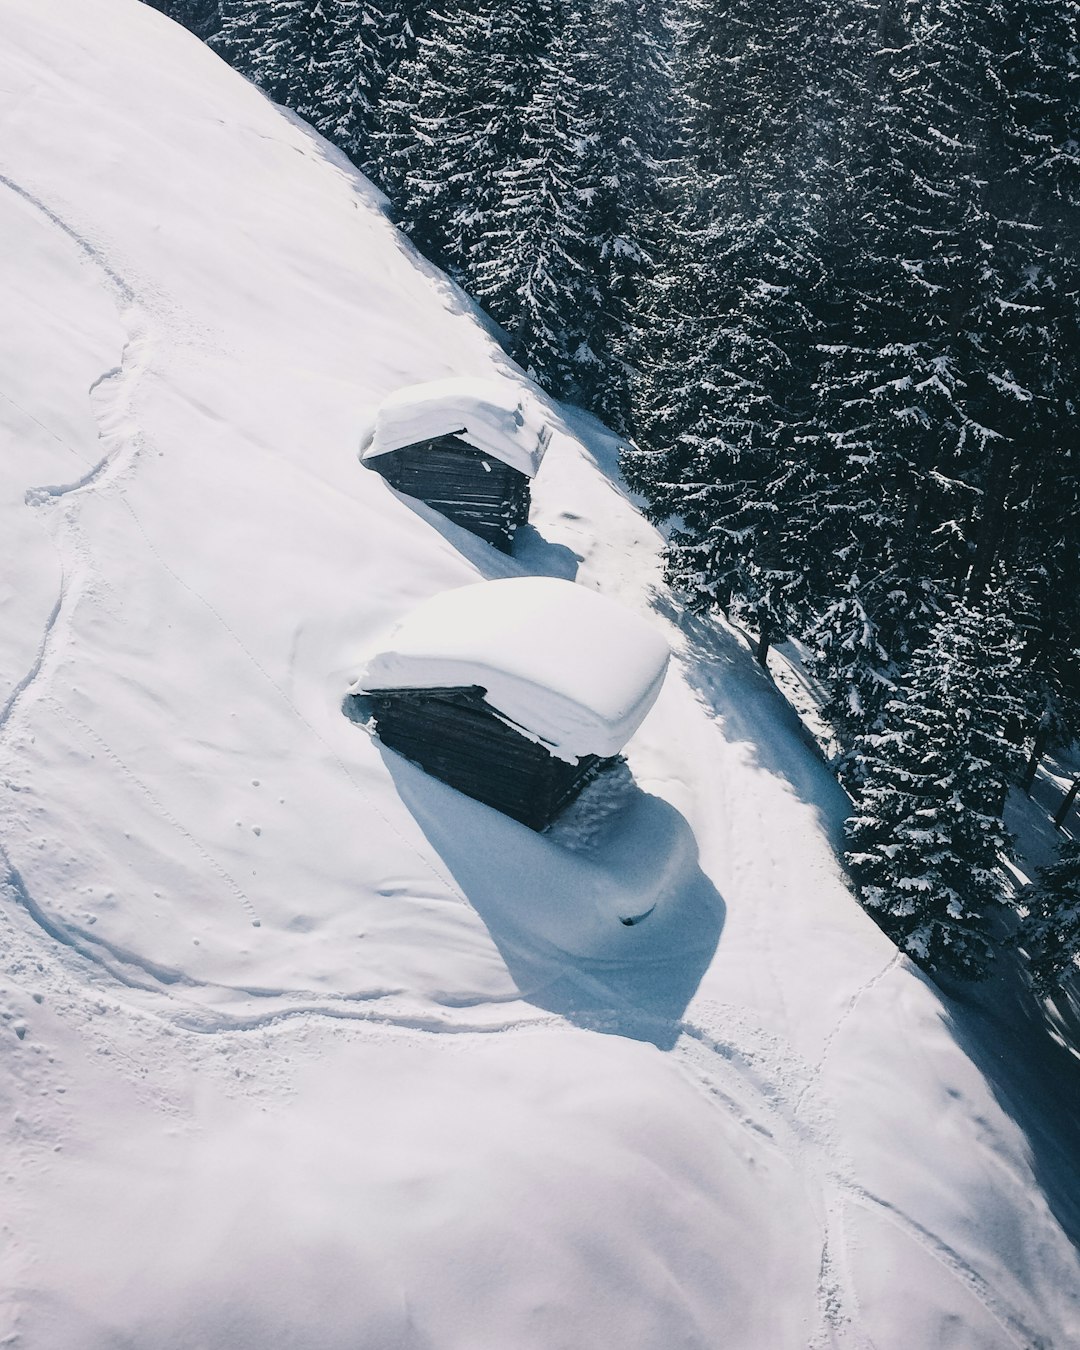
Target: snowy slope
[299, 1047]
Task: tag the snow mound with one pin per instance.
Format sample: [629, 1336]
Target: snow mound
[568, 666]
[498, 417]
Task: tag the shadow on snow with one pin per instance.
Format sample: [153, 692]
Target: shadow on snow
[556, 904]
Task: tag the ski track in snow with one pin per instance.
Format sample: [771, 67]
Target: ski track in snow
[854, 1001]
[111, 396]
[774, 1119]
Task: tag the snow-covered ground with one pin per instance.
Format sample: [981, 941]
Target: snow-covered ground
[298, 1047]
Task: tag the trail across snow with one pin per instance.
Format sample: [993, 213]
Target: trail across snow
[300, 1046]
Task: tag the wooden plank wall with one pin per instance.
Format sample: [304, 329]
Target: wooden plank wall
[456, 736]
[451, 477]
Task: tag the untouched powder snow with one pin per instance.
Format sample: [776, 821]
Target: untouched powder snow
[568, 666]
[299, 1047]
[500, 418]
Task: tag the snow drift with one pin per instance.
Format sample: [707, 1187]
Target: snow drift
[301, 1047]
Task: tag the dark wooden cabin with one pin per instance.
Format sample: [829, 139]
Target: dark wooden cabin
[467, 448]
[456, 736]
[471, 488]
[516, 692]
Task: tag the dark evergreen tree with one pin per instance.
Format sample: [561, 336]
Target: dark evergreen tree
[538, 275]
[363, 45]
[281, 45]
[328, 60]
[926, 840]
[202, 17]
[854, 669]
[727, 323]
[520, 143]
[1050, 927]
[451, 122]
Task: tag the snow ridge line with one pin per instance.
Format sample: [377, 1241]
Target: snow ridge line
[428, 1025]
[12, 880]
[144, 976]
[39, 496]
[129, 970]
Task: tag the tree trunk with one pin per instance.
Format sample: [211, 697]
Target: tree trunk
[1038, 749]
[1066, 803]
[992, 522]
[762, 653]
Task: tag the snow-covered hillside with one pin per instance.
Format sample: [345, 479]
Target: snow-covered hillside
[298, 1047]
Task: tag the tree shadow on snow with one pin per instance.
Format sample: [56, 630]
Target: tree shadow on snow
[1034, 1075]
[557, 904]
[728, 682]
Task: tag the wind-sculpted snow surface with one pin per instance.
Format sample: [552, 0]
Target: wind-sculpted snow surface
[300, 1047]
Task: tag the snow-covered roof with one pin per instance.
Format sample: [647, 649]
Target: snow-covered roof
[568, 666]
[499, 417]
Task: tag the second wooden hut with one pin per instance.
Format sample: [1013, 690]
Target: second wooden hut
[469, 448]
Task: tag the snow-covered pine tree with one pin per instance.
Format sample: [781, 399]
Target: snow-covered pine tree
[628, 97]
[890, 433]
[326, 59]
[283, 46]
[946, 381]
[201, 17]
[298, 54]
[926, 839]
[451, 122]
[1050, 927]
[242, 36]
[742, 542]
[363, 45]
[538, 274]
[726, 326]
[1025, 384]
[561, 256]
[847, 657]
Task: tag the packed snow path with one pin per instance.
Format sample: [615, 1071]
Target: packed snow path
[236, 937]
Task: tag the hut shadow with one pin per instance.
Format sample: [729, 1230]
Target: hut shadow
[532, 553]
[559, 914]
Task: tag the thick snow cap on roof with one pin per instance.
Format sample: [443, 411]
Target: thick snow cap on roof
[496, 416]
[568, 666]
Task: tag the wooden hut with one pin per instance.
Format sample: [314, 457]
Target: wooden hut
[517, 691]
[468, 448]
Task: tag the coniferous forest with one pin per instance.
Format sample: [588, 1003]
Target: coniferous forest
[819, 264]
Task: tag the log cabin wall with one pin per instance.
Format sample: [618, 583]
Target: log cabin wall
[471, 488]
[455, 736]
